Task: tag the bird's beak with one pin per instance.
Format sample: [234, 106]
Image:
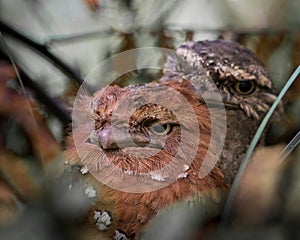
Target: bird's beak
[112, 138]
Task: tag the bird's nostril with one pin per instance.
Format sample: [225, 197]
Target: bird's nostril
[106, 139]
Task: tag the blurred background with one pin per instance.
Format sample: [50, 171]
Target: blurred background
[55, 44]
[83, 33]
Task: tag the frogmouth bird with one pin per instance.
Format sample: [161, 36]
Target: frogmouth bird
[139, 149]
[241, 79]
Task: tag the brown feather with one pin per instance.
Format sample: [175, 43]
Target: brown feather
[130, 211]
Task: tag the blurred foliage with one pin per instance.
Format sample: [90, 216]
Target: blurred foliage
[85, 32]
[105, 28]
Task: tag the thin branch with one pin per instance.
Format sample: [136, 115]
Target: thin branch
[62, 114]
[41, 50]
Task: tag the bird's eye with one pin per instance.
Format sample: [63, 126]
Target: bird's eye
[244, 87]
[160, 129]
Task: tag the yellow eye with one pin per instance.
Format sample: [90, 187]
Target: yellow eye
[244, 87]
[160, 129]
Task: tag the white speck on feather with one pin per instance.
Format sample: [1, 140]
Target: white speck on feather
[90, 192]
[70, 186]
[182, 175]
[101, 227]
[103, 220]
[157, 177]
[84, 170]
[186, 167]
[129, 172]
[97, 215]
[120, 236]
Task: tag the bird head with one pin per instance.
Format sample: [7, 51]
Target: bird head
[156, 131]
[240, 77]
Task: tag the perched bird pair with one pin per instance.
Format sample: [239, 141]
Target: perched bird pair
[139, 149]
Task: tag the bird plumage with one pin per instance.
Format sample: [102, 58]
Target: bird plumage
[241, 79]
[136, 164]
[124, 159]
